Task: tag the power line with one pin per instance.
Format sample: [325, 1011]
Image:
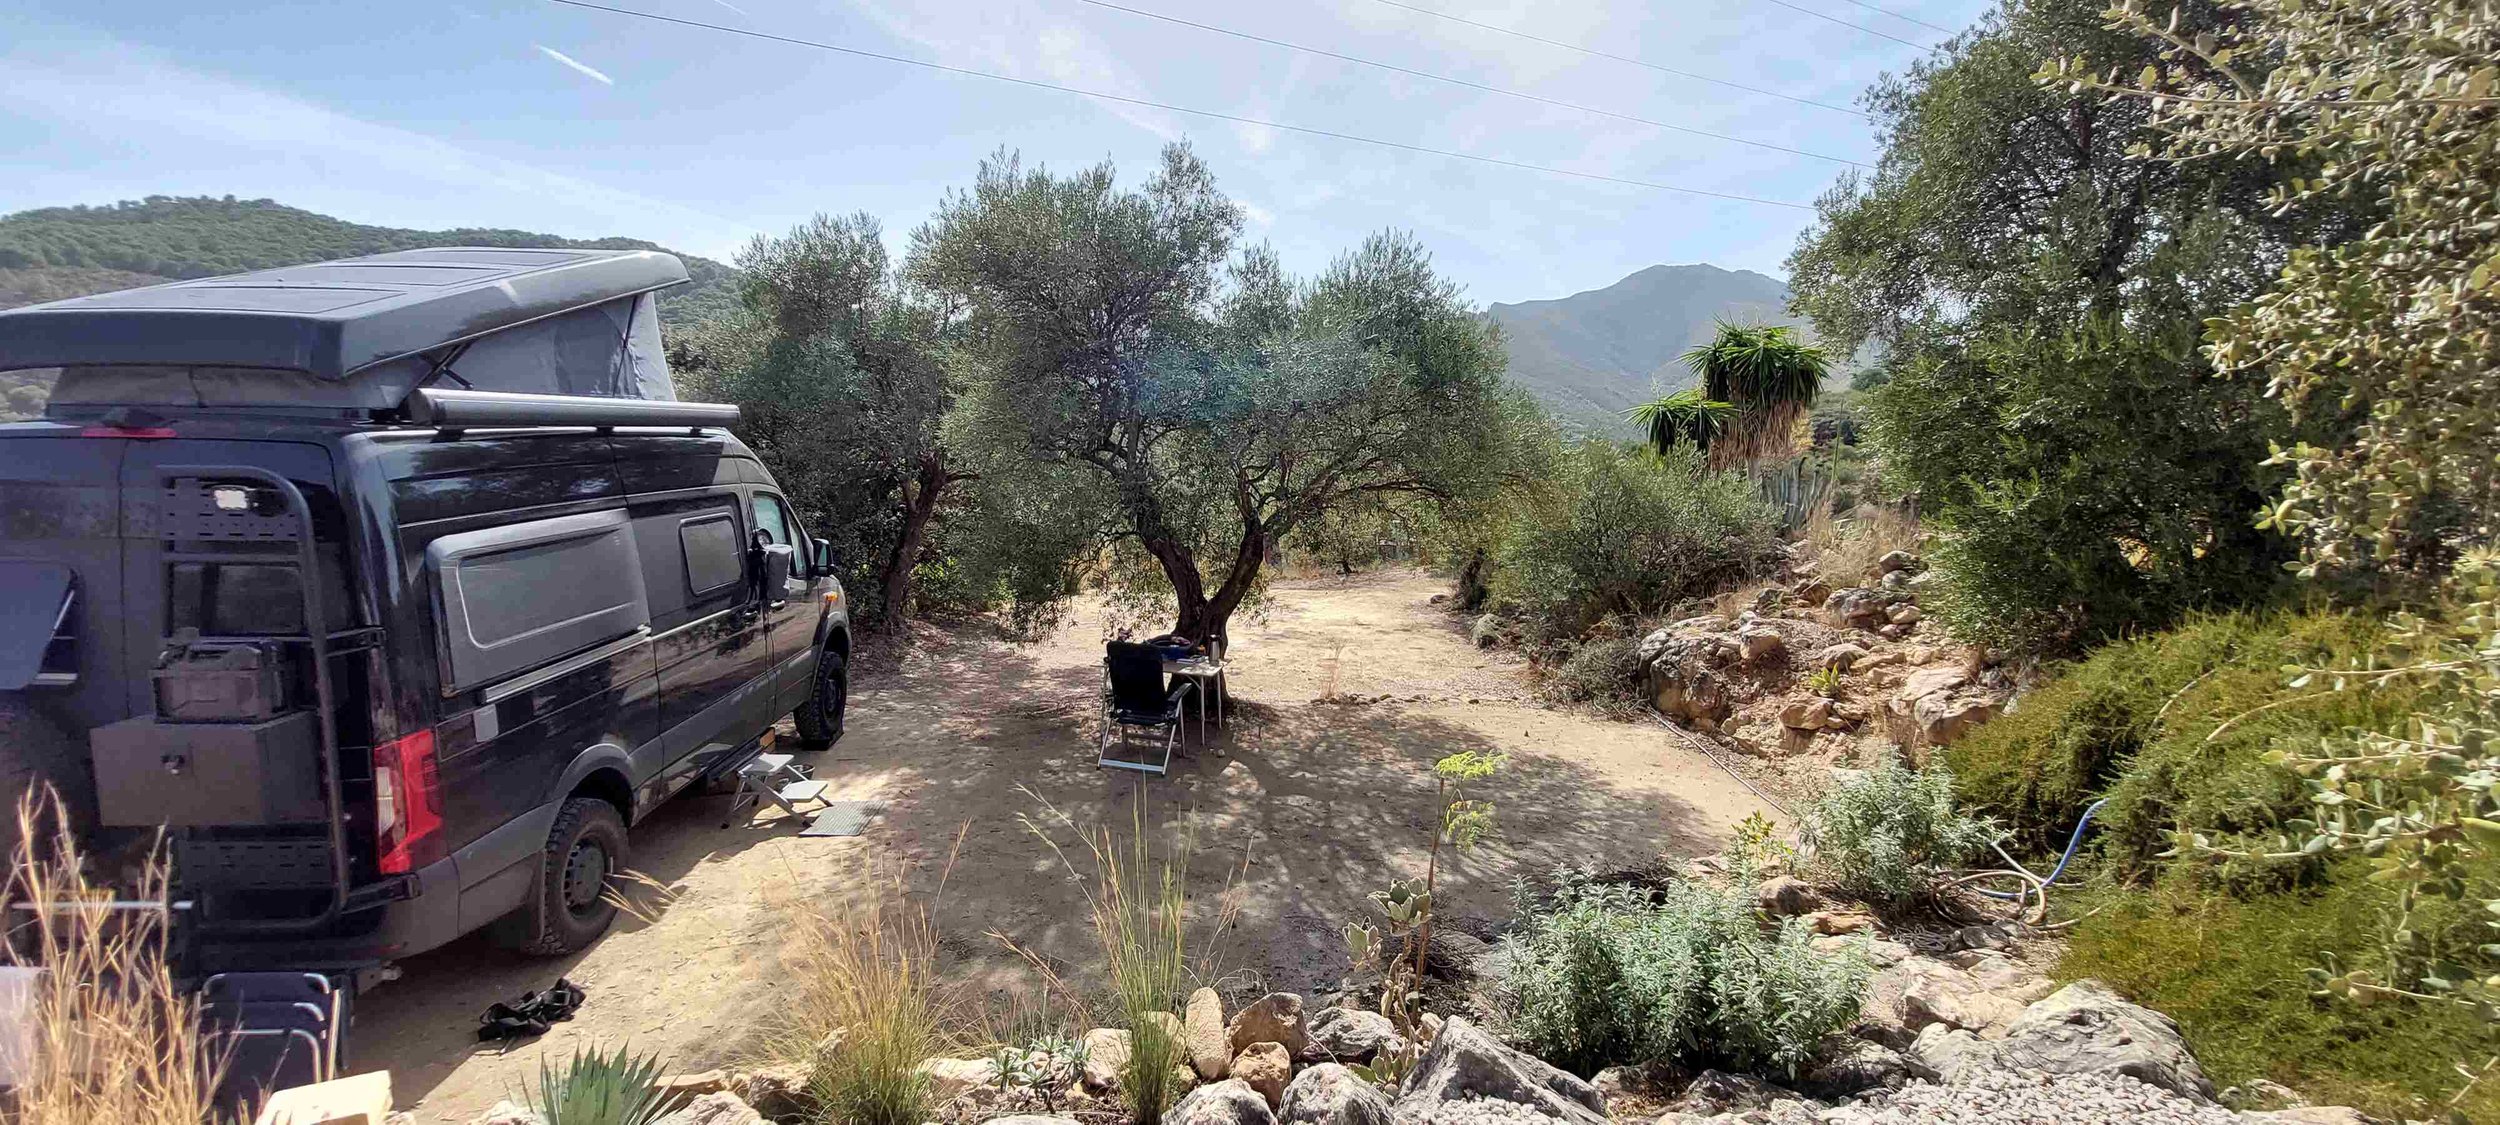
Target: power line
[1850, 26]
[1472, 85]
[1905, 16]
[1125, 100]
[1595, 53]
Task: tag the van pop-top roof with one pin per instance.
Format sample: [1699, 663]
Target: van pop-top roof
[360, 334]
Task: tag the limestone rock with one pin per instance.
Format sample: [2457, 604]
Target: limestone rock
[1841, 656]
[1784, 895]
[1807, 714]
[1756, 647]
[1954, 1055]
[693, 1085]
[1905, 614]
[1850, 1066]
[1203, 1035]
[1714, 1092]
[1937, 705]
[1106, 1055]
[1351, 1035]
[1230, 1102]
[1265, 1067]
[1465, 1061]
[1839, 922]
[1860, 607]
[1898, 560]
[778, 1091]
[950, 1079]
[1329, 1094]
[2084, 1028]
[1275, 1018]
[508, 1113]
[723, 1108]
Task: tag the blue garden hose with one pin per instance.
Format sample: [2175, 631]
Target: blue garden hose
[2073, 844]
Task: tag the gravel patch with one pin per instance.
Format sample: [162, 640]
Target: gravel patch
[2001, 1097]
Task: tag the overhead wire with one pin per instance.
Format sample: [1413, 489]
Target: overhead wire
[1468, 83]
[1851, 26]
[1904, 16]
[1238, 119]
[1595, 53]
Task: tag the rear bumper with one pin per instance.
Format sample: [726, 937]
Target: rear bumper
[427, 918]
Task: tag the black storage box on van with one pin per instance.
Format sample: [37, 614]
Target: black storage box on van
[200, 774]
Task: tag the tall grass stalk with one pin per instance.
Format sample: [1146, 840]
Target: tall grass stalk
[1138, 902]
[866, 1007]
[112, 1042]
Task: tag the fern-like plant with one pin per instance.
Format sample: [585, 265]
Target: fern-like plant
[598, 1087]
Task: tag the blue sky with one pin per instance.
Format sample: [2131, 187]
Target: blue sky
[527, 114]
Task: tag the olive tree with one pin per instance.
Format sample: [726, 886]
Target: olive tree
[837, 369]
[1213, 403]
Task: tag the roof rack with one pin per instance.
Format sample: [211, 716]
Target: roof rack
[454, 409]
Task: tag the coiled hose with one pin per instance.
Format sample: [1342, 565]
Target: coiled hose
[2034, 889]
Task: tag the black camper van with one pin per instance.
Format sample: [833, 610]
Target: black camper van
[391, 591]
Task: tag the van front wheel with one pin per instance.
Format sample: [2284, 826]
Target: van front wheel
[820, 718]
[584, 850]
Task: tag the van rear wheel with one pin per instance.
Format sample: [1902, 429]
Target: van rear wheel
[820, 718]
[585, 849]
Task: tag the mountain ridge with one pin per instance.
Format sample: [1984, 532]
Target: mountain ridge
[1596, 353]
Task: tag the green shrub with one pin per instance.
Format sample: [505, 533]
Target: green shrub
[2083, 483]
[1638, 533]
[1604, 975]
[1605, 671]
[2132, 724]
[2229, 970]
[1883, 834]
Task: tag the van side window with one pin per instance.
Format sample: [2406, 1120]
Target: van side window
[773, 519]
[711, 543]
[515, 597]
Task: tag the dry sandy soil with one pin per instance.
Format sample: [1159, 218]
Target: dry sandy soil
[1302, 806]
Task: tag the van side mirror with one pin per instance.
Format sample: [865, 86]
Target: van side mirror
[824, 556]
[777, 558]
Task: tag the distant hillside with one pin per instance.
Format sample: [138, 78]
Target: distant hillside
[58, 252]
[1590, 356]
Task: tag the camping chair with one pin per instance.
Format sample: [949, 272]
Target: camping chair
[1135, 697]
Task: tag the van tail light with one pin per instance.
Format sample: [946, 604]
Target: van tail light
[407, 804]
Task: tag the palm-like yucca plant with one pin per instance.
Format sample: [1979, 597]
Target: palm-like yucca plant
[1769, 376]
[601, 1088]
[1687, 417]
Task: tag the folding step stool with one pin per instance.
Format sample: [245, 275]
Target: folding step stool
[778, 780]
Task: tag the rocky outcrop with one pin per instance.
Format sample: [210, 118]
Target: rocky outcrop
[1784, 896]
[953, 1078]
[1351, 1035]
[2084, 1028]
[723, 1108]
[1275, 1018]
[1265, 1067]
[1465, 1062]
[1849, 1066]
[1935, 706]
[1330, 1094]
[1230, 1102]
[1106, 1055]
[1203, 1035]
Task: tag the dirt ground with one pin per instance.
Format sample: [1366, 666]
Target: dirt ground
[1323, 802]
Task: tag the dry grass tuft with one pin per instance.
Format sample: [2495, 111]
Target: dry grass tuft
[1138, 902]
[1845, 550]
[867, 1005]
[113, 1042]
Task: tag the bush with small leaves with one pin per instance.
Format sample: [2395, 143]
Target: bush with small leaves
[1602, 975]
[1884, 833]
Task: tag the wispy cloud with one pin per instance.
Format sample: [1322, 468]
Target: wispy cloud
[251, 140]
[578, 66]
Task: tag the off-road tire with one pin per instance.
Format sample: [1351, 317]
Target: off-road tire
[560, 921]
[819, 720]
[34, 751]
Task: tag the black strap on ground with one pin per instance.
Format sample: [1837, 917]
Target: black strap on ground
[531, 1015]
